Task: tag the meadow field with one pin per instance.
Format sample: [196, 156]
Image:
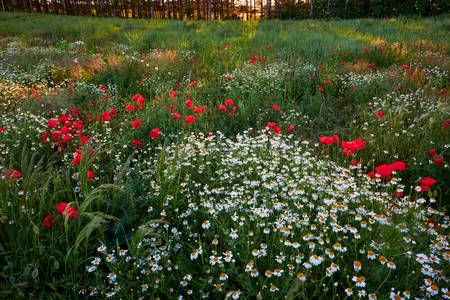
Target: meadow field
[159, 159]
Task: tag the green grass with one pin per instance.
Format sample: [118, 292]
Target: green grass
[327, 77]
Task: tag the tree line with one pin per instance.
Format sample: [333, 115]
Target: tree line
[230, 9]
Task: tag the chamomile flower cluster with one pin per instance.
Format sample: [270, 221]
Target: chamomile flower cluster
[261, 215]
[264, 79]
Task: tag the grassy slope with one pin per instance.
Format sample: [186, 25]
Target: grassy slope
[310, 39]
[292, 41]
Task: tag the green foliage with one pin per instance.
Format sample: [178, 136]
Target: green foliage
[321, 77]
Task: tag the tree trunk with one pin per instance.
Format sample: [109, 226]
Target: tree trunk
[55, 11]
[102, 8]
[3, 6]
[311, 11]
[209, 10]
[64, 6]
[168, 9]
[125, 7]
[246, 9]
[198, 9]
[150, 9]
[328, 8]
[261, 9]
[205, 9]
[45, 7]
[232, 8]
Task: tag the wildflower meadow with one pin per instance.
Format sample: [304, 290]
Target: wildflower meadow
[162, 159]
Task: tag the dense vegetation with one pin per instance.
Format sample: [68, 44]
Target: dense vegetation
[231, 9]
[192, 159]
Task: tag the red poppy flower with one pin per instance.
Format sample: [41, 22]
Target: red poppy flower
[379, 114]
[222, 107]
[229, 102]
[446, 124]
[12, 174]
[44, 138]
[291, 128]
[63, 119]
[406, 67]
[271, 125]
[66, 210]
[173, 94]
[321, 89]
[136, 123]
[77, 158]
[78, 125]
[136, 143]
[442, 92]
[348, 148]
[57, 134]
[371, 175]
[438, 160]
[193, 84]
[2, 129]
[52, 124]
[113, 112]
[47, 221]
[189, 104]
[252, 60]
[384, 170]
[276, 129]
[398, 194]
[67, 138]
[176, 115]
[65, 130]
[189, 119]
[106, 116]
[329, 140]
[155, 133]
[426, 183]
[275, 107]
[138, 99]
[432, 152]
[398, 166]
[354, 162]
[269, 47]
[90, 175]
[129, 108]
[84, 140]
[229, 78]
[200, 109]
